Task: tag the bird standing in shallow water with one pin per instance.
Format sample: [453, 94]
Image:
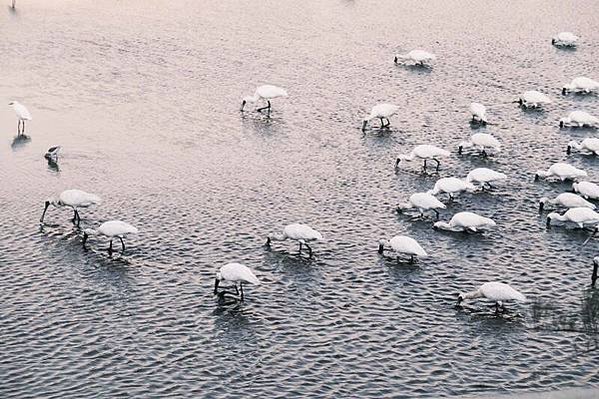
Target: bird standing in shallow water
[581, 84]
[22, 115]
[562, 171]
[479, 113]
[402, 245]
[533, 99]
[482, 142]
[235, 273]
[74, 199]
[566, 200]
[451, 186]
[498, 292]
[586, 189]
[484, 176]
[427, 153]
[423, 202]
[564, 39]
[580, 217]
[383, 112]
[416, 57]
[579, 119]
[466, 222]
[298, 232]
[111, 229]
[266, 93]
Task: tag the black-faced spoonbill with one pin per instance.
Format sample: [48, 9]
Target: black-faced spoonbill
[482, 142]
[484, 176]
[297, 232]
[533, 99]
[235, 273]
[422, 202]
[577, 217]
[416, 57]
[402, 245]
[466, 222]
[581, 84]
[579, 119]
[52, 153]
[74, 199]
[479, 113]
[266, 93]
[22, 115]
[564, 39]
[586, 189]
[111, 229]
[383, 112]
[426, 152]
[498, 292]
[566, 200]
[562, 171]
[451, 186]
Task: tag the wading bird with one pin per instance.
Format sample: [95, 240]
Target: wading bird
[422, 202]
[451, 186]
[297, 232]
[73, 199]
[589, 145]
[576, 217]
[479, 113]
[111, 229]
[562, 171]
[265, 93]
[579, 119]
[482, 142]
[235, 273]
[402, 245]
[564, 39]
[586, 189]
[484, 176]
[22, 115]
[380, 111]
[52, 153]
[533, 99]
[498, 292]
[581, 84]
[566, 200]
[415, 57]
[466, 222]
[427, 153]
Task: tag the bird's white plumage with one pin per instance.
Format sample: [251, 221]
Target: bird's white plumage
[21, 111]
[425, 151]
[484, 175]
[479, 112]
[562, 171]
[581, 84]
[451, 185]
[568, 200]
[495, 291]
[423, 202]
[589, 144]
[266, 93]
[406, 245]
[565, 39]
[78, 198]
[534, 99]
[383, 110]
[579, 119]
[116, 228]
[416, 57]
[586, 189]
[482, 142]
[466, 221]
[581, 217]
[237, 273]
[297, 231]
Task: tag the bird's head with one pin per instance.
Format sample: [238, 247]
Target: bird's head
[553, 41]
[550, 217]
[542, 203]
[365, 123]
[398, 161]
[562, 123]
[382, 243]
[565, 90]
[460, 299]
[395, 59]
[217, 280]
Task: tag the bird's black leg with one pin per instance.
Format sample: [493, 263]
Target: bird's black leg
[485, 154]
[23, 127]
[309, 251]
[78, 217]
[424, 166]
[594, 275]
[18, 127]
[300, 249]
[438, 164]
[266, 107]
[241, 289]
[110, 248]
[411, 258]
[382, 123]
[436, 213]
[122, 244]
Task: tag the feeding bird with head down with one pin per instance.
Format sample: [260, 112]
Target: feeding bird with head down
[590, 144]
[381, 111]
[235, 273]
[582, 85]
[579, 119]
[586, 189]
[574, 217]
[495, 291]
[111, 229]
[426, 152]
[482, 142]
[479, 113]
[74, 199]
[416, 57]
[402, 245]
[301, 233]
[469, 222]
[52, 153]
[566, 200]
[564, 39]
[484, 176]
[422, 202]
[562, 171]
[265, 93]
[451, 186]
[22, 115]
[533, 99]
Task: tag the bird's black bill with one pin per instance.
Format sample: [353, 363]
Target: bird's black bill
[216, 282]
[46, 205]
[381, 248]
[85, 237]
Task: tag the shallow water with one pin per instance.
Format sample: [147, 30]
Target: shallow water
[144, 97]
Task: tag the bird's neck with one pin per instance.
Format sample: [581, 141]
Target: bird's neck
[472, 294]
[278, 237]
[575, 144]
[407, 157]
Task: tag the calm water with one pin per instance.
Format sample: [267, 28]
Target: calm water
[144, 97]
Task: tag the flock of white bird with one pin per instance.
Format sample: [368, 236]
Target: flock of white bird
[580, 212]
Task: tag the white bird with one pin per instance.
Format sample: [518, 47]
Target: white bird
[578, 217]
[566, 200]
[484, 176]
[22, 115]
[562, 171]
[564, 39]
[380, 111]
[297, 232]
[466, 221]
[579, 119]
[403, 245]
[479, 113]
[533, 99]
[266, 93]
[235, 273]
[423, 202]
[498, 292]
[52, 153]
[451, 186]
[111, 229]
[586, 189]
[590, 144]
[416, 57]
[426, 152]
[482, 142]
[74, 199]
[581, 84]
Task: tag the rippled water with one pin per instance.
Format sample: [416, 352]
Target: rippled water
[144, 97]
